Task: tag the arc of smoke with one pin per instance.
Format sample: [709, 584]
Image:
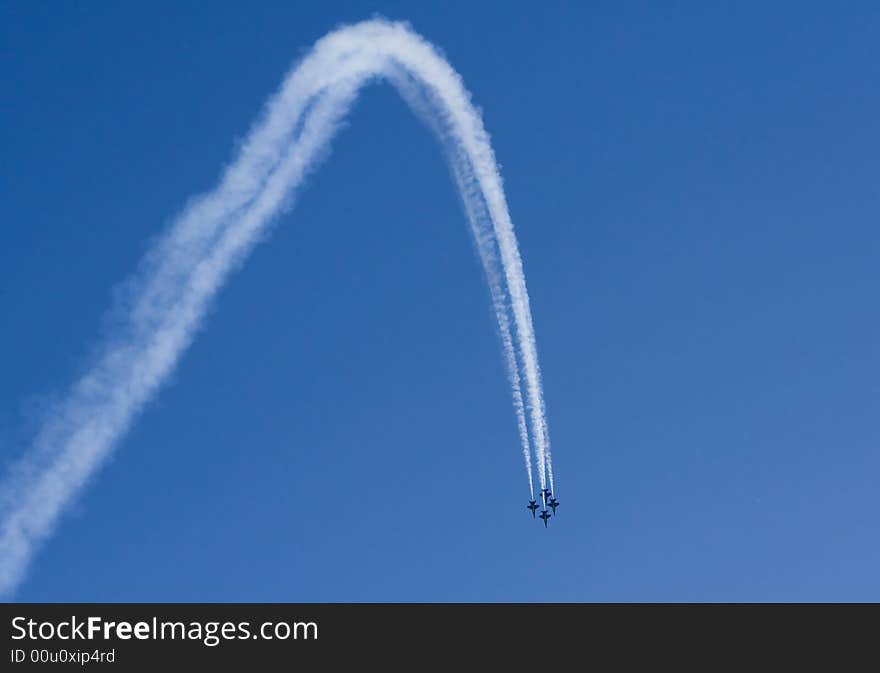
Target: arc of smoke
[423, 103]
[168, 296]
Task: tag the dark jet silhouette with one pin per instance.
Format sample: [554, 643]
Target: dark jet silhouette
[545, 515]
[532, 506]
[554, 503]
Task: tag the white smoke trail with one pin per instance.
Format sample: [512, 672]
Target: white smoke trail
[424, 104]
[168, 297]
[489, 258]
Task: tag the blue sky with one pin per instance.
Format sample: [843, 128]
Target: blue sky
[695, 195]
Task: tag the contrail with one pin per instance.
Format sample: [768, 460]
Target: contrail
[165, 302]
[424, 103]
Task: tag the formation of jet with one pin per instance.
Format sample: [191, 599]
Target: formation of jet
[548, 500]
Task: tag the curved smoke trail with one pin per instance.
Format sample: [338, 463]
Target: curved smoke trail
[169, 294]
[424, 103]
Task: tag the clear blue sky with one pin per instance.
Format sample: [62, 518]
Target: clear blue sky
[695, 192]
